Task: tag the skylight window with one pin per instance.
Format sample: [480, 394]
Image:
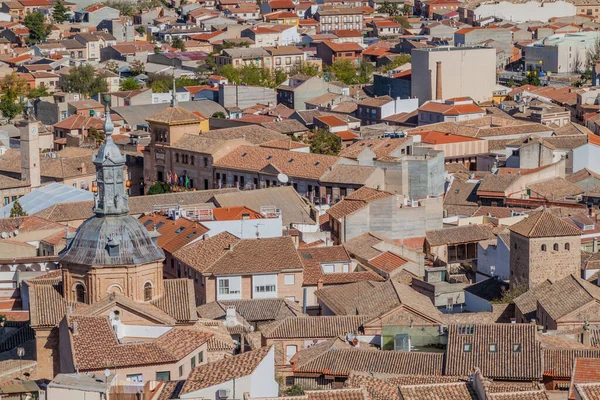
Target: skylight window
[191, 235]
[159, 225]
[149, 222]
[291, 160]
[180, 229]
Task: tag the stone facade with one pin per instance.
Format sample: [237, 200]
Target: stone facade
[534, 260]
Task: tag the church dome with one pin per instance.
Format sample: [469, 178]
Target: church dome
[119, 240]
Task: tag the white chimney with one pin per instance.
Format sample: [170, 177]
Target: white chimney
[231, 317]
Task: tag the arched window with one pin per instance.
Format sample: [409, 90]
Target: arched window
[555, 247]
[80, 293]
[567, 246]
[147, 291]
[543, 247]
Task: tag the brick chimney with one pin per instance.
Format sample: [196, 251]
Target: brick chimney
[438, 81]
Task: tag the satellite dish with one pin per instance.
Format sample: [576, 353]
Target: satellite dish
[4, 235]
[283, 178]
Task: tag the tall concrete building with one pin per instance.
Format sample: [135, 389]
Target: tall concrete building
[465, 72]
[30, 151]
[543, 246]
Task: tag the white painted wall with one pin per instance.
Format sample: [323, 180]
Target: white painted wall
[586, 156]
[497, 256]
[158, 98]
[523, 12]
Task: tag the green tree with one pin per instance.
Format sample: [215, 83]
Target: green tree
[130, 84]
[112, 66]
[163, 82]
[403, 21]
[365, 72]
[308, 69]
[96, 135]
[294, 390]
[344, 70]
[510, 83]
[84, 79]
[141, 30]
[137, 67]
[178, 43]
[60, 12]
[38, 29]
[532, 78]
[398, 61]
[219, 114]
[389, 8]
[325, 142]
[158, 188]
[12, 88]
[17, 210]
[37, 92]
[407, 9]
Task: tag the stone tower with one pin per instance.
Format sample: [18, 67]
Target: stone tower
[112, 252]
[543, 246]
[30, 150]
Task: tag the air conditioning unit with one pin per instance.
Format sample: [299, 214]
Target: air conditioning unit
[223, 393]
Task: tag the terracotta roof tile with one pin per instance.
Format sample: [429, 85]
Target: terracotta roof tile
[342, 361]
[95, 346]
[459, 234]
[294, 164]
[558, 363]
[174, 234]
[355, 201]
[313, 258]
[544, 224]
[568, 295]
[313, 327]
[174, 116]
[505, 363]
[224, 370]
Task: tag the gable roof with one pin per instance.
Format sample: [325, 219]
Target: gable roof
[375, 299]
[291, 163]
[527, 302]
[568, 295]
[459, 234]
[313, 327]
[355, 201]
[252, 310]
[313, 257]
[544, 224]
[224, 370]
[95, 346]
[504, 363]
[346, 359]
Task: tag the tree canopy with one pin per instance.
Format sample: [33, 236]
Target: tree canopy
[346, 71]
[12, 88]
[253, 75]
[17, 210]
[60, 12]
[38, 29]
[325, 142]
[130, 84]
[84, 79]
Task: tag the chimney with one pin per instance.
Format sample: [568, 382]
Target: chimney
[230, 317]
[75, 328]
[438, 81]
[320, 284]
